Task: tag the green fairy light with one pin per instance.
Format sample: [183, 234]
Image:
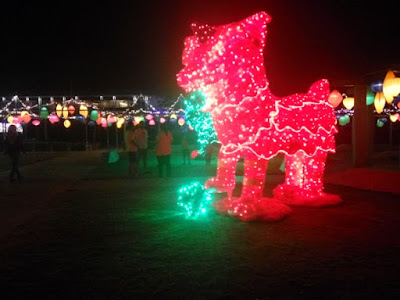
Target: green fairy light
[200, 121]
[194, 199]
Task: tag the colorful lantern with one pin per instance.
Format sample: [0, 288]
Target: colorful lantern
[152, 122]
[387, 88]
[59, 110]
[162, 120]
[111, 119]
[94, 115]
[348, 102]
[370, 97]
[67, 123]
[83, 111]
[138, 119]
[53, 118]
[343, 120]
[98, 121]
[173, 116]
[379, 123]
[44, 112]
[10, 119]
[377, 86]
[394, 117]
[103, 122]
[36, 122]
[71, 109]
[26, 117]
[149, 117]
[335, 98]
[379, 102]
[181, 121]
[65, 112]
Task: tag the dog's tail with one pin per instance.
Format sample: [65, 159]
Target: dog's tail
[319, 91]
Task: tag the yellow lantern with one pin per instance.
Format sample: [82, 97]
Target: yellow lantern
[83, 111]
[59, 110]
[138, 119]
[65, 112]
[10, 119]
[348, 102]
[379, 102]
[387, 88]
[67, 123]
[394, 117]
[173, 116]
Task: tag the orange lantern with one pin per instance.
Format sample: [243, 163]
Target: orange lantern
[379, 102]
[335, 98]
[59, 110]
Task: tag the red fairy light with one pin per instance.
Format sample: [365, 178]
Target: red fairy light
[228, 67]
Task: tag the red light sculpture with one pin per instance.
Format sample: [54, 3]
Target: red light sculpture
[226, 63]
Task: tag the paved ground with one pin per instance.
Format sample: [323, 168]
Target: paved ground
[79, 228]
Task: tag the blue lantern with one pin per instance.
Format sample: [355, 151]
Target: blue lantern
[377, 86]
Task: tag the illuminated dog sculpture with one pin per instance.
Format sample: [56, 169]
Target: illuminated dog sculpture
[226, 63]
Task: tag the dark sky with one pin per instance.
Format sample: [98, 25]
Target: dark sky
[125, 47]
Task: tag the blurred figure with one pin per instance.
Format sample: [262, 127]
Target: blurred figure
[140, 136]
[131, 148]
[13, 148]
[209, 151]
[163, 150]
[185, 149]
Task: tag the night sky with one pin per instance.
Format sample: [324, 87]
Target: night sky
[127, 47]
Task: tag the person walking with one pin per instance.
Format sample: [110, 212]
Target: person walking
[163, 150]
[140, 136]
[13, 148]
[131, 148]
[185, 150]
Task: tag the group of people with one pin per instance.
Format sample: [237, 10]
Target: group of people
[136, 146]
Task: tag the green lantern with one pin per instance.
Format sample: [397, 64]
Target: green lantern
[379, 123]
[343, 120]
[94, 115]
[370, 97]
[44, 113]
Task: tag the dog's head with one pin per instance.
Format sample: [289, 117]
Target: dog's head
[220, 61]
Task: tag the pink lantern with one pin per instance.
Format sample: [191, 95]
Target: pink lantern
[36, 122]
[152, 122]
[17, 120]
[149, 117]
[103, 122]
[181, 121]
[53, 118]
[162, 120]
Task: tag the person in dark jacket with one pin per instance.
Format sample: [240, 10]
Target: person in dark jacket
[13, 148]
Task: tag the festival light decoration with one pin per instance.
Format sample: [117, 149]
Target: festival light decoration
[387, 88]
[200, 121]
[152, 122]
[227, 65]
[394, 117]
[181, 121]
[335, 98]
[53, 118]
[59, 110]
[71, 109]
[65, 112]
[67, 123]
[194, 200]
[379, 102]
[35, 122]
[44, 113]
[94, 115]
[162, 120]
[83, 111]
[348, 102]
[25, 117]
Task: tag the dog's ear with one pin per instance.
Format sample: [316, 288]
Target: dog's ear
[256, 26]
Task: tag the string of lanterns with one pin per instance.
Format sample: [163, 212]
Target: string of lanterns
[16, 111]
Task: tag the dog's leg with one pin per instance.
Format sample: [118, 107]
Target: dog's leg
[225, 180]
